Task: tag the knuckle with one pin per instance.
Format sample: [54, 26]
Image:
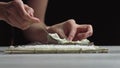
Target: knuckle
[71, 21]
[89, 25]
[31, 9]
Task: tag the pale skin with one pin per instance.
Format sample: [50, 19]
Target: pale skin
[34, 14]
[17, 14]
[72, 31]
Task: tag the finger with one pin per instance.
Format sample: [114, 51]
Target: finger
[84, 27]
[26, 15]
[20, 8]
[87, 34]
[29, 10]
[83, 31]
[30, 19]
[71, 24]
[61, 34]
[72, 33]
[34, 20]
[81, 36]
[90, 30]
[20, 5]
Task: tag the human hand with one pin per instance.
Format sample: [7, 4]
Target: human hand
[72, 31]
[18, 14]
[68, 29]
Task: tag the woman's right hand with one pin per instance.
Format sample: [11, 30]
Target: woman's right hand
[18, 14]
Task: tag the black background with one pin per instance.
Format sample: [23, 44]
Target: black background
[102, 15]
